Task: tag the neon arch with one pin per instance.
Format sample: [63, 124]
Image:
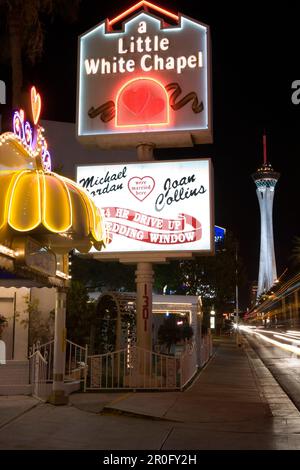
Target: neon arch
[145, 4]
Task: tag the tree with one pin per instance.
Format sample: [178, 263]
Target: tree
[212, 277]
[111, 275]
[295, 256]
[170, 333]
[168, 278]
[3, 324]
[80, 313]
[40, 326]
[186, 331]
[25, 33]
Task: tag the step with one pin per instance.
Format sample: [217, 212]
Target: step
[15, 365]
[14, 373]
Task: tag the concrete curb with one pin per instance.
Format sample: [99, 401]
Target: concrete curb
[115, 411]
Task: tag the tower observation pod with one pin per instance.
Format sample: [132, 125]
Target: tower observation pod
[265, 179]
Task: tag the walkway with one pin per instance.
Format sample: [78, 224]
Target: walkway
[234, 404]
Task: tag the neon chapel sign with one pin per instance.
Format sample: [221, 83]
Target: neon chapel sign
[148, 77]
[32, 137]
[144, 45]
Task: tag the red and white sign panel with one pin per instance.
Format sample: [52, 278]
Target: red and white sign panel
[146, 82]
[153, 206]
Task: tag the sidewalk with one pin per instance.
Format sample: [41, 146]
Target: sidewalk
[235, 403]
[12, 407]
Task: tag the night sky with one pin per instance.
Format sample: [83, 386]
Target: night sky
[255, 56]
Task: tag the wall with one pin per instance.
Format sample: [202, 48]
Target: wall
[65, 149]
[15, 336]
[13, 306]
[45, 297]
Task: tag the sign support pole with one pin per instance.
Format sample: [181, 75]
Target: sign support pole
[58, 396]
[144, 280]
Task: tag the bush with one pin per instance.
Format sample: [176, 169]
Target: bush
[3, 324]
[170, 333]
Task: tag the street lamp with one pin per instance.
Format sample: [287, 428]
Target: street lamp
[212, 319]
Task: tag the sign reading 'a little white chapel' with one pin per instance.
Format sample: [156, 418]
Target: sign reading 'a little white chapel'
[143, 80]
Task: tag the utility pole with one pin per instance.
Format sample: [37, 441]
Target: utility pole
[238, 337]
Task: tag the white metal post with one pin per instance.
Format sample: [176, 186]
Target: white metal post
[144, 280]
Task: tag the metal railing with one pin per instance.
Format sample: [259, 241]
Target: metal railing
[188, 364]
[130, 368]
[38, 375]
[190, 360]
[76, 361]
[137, 368]
[47, 352]
[133, 368]
[205, 349]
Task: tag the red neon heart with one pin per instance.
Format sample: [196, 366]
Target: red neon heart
[142, 102]
[141, 187]
[136, 99]
[156, 106]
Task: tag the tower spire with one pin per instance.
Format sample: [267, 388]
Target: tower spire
[265, 148]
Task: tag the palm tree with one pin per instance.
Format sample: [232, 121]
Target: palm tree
[295, 256]
[22, 24]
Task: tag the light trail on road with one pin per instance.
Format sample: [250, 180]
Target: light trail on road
[288, 338]
[262, 335]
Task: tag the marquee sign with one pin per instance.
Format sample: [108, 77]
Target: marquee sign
[220, 233]
[154, 206]
[36, 257]
[148, 82]
[32, 137]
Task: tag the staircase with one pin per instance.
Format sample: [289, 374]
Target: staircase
[14, 378]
